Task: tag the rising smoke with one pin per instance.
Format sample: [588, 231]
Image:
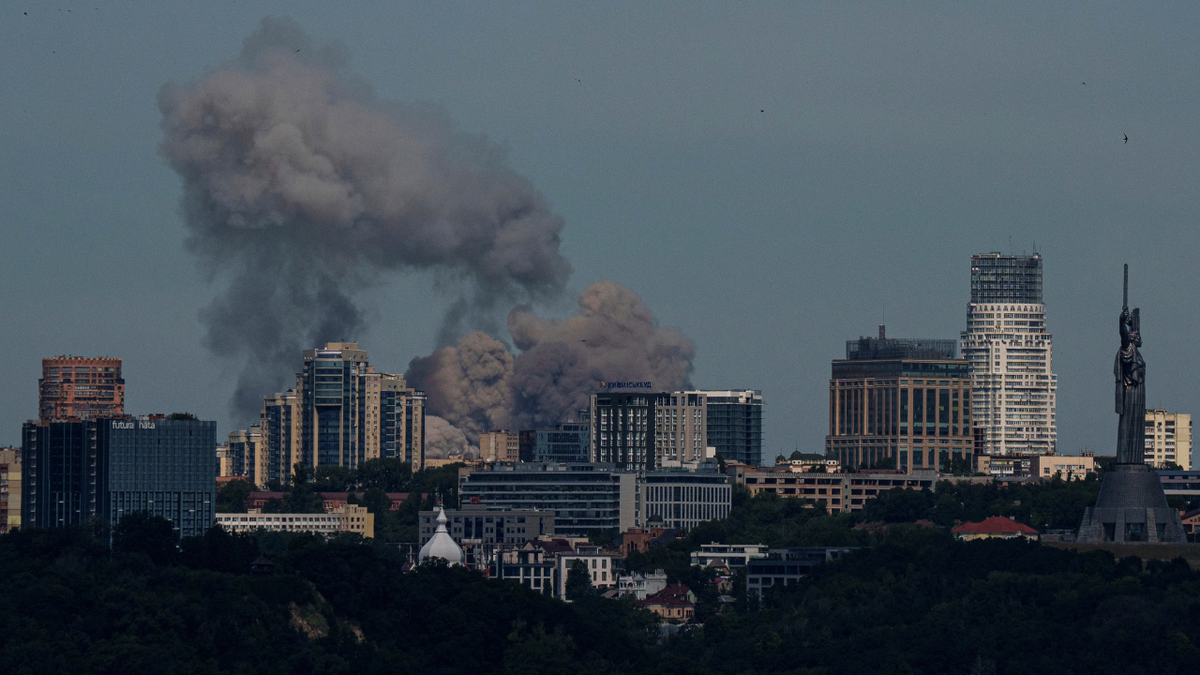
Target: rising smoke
[614, 337]
[302, 189]
[443, 440]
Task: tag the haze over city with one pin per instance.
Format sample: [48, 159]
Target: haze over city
[769, 180]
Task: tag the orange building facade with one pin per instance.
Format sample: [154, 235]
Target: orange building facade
[80, 387]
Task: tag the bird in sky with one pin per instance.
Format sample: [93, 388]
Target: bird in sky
[1126, 138]
[1083, 83]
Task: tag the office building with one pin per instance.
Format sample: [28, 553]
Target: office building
[108, 468]
[585, 498]
[77, 387]
[1168, 439]
[588, 498]
[835, 492]
[735, 424]
[346, 518]
[478, 524]
[566, 442]
[10, 489]
[683, 499]
[500, 445]
[1013, 383]
[900, 403]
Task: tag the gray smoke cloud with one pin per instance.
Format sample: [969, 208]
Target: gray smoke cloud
[302, 189]
[467, 384]
[443, 439]
[614, 337]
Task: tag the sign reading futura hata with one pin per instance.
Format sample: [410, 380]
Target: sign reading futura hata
[605, 384]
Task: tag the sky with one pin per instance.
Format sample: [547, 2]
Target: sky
[772, 179]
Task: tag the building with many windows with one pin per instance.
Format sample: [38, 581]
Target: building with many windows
[10, 489]
[623, 430]
[1013, 383]
[78, 387]
[108, 468]
[680, 428]
[477, 524]
[566, 442]
[900, 403]
[683, 499]
[735, 424]
[347, 518]
[1168, 439]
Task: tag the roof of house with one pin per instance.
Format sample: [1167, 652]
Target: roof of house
[995, 525]
[664, 601]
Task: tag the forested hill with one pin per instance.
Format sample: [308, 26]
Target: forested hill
[916, 601]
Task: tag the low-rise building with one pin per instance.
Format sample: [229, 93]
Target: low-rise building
[838, 492]
[529, 566]
[733, 555]
[783, 566]
[477, 524]
[996, 527]
[642, 539]
[10, 489]
[675, 603]
[348, 518]
[600, 567]
[1066, 467]
[641, 586]
[1191, 521]
[1181, 483]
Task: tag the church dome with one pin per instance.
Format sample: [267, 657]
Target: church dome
[441, 545]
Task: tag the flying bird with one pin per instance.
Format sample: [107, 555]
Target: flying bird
[1126, 138]
[1083, 83]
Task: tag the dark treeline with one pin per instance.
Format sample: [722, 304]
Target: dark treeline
[915, 601]
[910, 600]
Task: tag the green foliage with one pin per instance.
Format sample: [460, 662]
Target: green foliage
[232, 497]
[140, 533]
[1053, 504]
[181, 416]
[579, 581]
[388, 475]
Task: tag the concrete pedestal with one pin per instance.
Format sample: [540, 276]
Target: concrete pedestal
[1132, 508]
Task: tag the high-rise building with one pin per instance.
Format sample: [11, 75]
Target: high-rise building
[1168, 439]
[279, 428]
[900, 403]
[680, 428]
[246, 455]
[566, 442]
[351, 414]
[735, 424]
[77, 387]
[623, 430]
[107, 468]
[1006, 343]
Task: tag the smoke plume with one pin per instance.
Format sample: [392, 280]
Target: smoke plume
[467, 384]
[615, 337]
[301, 189]
[443, 440]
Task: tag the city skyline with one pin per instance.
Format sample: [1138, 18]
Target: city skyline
[871, 175]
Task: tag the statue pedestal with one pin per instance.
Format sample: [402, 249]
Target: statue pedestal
[1132, 508]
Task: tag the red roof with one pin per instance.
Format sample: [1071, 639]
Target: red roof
[995, 525]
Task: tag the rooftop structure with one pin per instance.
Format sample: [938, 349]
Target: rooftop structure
[441, 545]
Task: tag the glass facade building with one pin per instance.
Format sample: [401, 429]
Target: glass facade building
[108, 468]
[567, 442]
[735, 424]
[586, 498]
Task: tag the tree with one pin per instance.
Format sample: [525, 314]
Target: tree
[387, 474]
[537, 652]
[232, 497]
[141, 533]
[579, 581]
[333, 479]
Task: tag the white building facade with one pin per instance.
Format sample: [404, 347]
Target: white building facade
[1014, 388]
[1168, 439]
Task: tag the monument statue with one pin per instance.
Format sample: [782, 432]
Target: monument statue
[1130, 371]
[1132, 506]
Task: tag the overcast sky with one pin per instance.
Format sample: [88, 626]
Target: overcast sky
[771, 178]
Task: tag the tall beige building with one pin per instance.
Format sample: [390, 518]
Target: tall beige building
[499, 446]
[1168, 439]
[680, 428]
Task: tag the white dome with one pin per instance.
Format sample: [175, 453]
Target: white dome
[441, 544]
